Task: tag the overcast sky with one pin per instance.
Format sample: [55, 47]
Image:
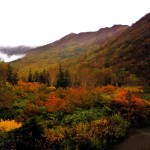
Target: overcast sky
[39, 22]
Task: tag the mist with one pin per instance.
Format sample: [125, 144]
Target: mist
[8, 58]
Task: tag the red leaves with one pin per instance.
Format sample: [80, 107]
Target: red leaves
[109, 89]
[54, 103]
[69, 99]
[137, 100]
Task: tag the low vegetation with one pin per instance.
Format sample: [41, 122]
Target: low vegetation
[37, 116]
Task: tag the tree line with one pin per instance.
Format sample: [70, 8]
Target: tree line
[63, 78]
[8, 74]
[83, 77]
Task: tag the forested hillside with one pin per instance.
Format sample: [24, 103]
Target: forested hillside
[109, 56]
[68, 48]
[127, 54]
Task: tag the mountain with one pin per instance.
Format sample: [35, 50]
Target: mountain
[67, 48]
[126, 54]
[119, 54]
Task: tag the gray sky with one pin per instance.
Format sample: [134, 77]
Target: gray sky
[39, 22]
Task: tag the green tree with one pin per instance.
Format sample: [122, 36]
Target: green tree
[14, 78]
[67, 78]
[36, 77]
[9, 73]
[64, 79]
[44, 77]
[3, 68]
[30, 77]
[61, 78]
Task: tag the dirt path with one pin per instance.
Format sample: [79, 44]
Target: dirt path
[139, 140]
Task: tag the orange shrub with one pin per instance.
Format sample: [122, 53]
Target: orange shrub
[120, 96]
[73, 97]
[54, 103]
[137, 100]
[124, 97]
[109, 89]
[27, 86]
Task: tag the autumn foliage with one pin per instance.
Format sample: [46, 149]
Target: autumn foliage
[54, 103]
[126, 97]
[109, 89]
[27, 86]
[8, 125]
[70, 118]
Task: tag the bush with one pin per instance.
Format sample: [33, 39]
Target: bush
[81, 115]
[96, 134]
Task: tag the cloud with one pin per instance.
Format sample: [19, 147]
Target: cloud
[8, 58]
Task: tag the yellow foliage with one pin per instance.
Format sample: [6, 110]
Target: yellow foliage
[134, 89]
[9, 125]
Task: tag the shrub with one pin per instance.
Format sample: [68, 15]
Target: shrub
[81, 115]
[9, 125]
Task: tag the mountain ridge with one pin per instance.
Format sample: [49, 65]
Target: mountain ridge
[81, 34]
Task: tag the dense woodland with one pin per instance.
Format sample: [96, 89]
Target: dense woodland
[89, 102]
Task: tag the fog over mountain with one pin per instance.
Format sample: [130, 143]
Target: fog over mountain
[8, 58]
[8, 54]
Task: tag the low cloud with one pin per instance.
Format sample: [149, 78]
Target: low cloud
[8, 58]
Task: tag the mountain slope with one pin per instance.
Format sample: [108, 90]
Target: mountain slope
[69, 47]
[128, 53]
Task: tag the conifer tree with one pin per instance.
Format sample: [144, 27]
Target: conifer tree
[43, 77]
[67, 78]
[36, 77]
[14, 78]
[63, 78]
[9, 73]
[60, 79]
[30, 77]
